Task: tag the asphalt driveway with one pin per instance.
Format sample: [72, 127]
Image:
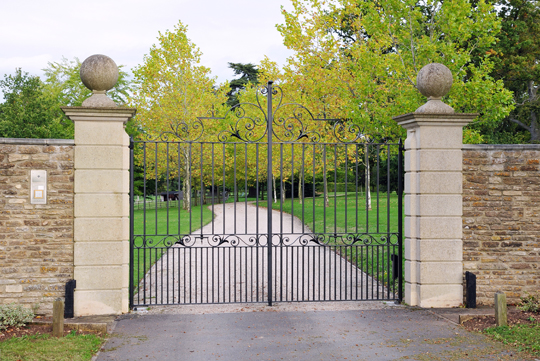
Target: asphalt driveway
[314, 331]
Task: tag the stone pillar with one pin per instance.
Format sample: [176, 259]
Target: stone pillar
[101, 202]
[433, 195]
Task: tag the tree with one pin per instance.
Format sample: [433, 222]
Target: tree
[248, 74]
[28, 110]
[516, 58]
[359, 60]
[170, 92]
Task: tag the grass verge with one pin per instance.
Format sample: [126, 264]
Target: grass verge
[522, 337]
[44, 347]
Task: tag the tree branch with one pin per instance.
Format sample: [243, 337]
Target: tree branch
[514, 120]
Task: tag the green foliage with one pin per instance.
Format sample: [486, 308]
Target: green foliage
[248, 74]
[516, 58]
[64, 83]
[530, 302]
[359, 60]
[13, 315]
[28, 110]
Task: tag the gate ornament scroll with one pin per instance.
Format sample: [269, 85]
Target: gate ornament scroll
[252, 126]
[251, 123]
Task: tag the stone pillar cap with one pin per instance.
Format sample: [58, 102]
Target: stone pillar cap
[99, 73]
[434, 81]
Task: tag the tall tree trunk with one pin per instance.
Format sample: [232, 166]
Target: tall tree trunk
[187, 184]
[275, 191]
[300, 193]
[326, 199]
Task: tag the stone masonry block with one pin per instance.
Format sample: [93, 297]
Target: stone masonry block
[99, 133]
[439, 272]
[439, 250]
[438, 183]
[101, 229]
[101, 205]
[443, 296]
[439, 227]
[101, 181]
[99, 277]
[99, 253]
[100, 157]
[439, 160]
[439, 137]
[439, 205]
[98, 302]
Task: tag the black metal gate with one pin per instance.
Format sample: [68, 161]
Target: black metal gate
[268, 211]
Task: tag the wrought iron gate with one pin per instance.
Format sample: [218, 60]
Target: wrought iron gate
[269, 211]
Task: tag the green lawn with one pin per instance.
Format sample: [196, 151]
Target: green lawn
[347, 214]
[523, 337]
[44, 347]
[160, 224]
[345, 217]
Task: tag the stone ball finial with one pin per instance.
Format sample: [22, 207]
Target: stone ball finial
[99, 73]
[434, 81]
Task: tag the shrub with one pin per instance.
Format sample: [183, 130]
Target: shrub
[530, 302]
[14, 315]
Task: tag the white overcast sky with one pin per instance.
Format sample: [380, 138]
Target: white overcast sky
[35, 32]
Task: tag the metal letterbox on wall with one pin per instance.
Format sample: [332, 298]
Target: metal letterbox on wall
[38, 187]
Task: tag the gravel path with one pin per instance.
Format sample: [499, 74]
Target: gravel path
[236, 270]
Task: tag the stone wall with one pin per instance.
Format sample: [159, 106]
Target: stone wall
[501, 219]
[36, 241]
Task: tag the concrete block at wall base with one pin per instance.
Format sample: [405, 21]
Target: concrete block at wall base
[100, 278]
[100, 157]
[100, 302]
[109, 181]
[101, 229]
[100, 253]
[100, 133]
[442, 273]
[411, 295]
[442, 296]
[101, 205]
[440, 250]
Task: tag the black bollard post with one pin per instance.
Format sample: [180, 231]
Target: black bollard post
[70, 289]
[470, 279]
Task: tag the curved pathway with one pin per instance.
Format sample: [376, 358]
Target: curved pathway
[236, 270]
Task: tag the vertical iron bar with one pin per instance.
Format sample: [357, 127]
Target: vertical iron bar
[201, 200]
[303, 191]
[156, 187]
[144, 220]
[378, 181]
[131, 220]
[270, 120]
[167, 187]
[235, 189]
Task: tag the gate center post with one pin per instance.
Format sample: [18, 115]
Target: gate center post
[270, 120]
